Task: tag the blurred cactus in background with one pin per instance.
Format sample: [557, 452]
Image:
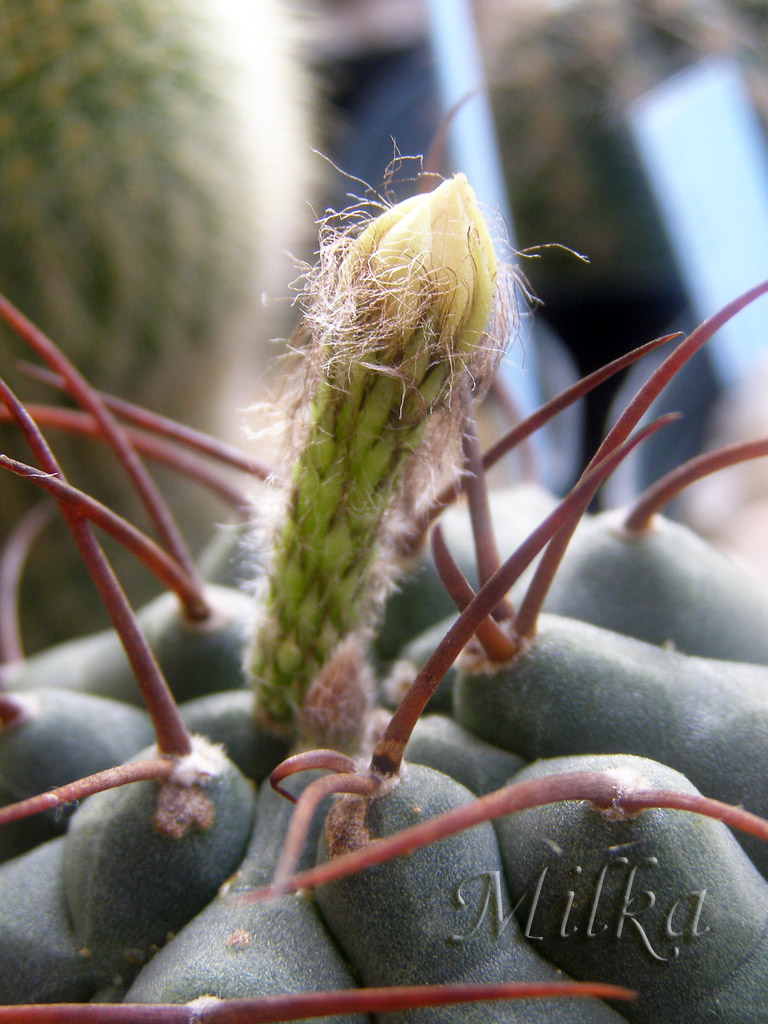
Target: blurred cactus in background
[153, 179]
[376, 621]
[143, 177]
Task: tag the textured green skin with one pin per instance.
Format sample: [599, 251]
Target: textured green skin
[127, 885]
[579, 689]
[40, 960]
[396, 921]
[196, 658]
[286, 947]
[343, 484]
[666, 585]
[65, 737]
[692, 854]
[118, 177]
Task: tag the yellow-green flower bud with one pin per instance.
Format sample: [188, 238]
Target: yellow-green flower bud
[396, 316]
[426, 262]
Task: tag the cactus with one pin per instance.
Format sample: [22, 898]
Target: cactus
[128, 219]
[541, 849]
[397, 316]
[142, 209]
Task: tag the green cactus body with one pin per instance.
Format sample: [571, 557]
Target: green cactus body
[440, 743]
[196, 658]
[61, 737]
[579, 689]
[420, 919]
[399, 319]
[397, 316]
[658, 901]
[320, 581]
[41, 961]
[227, 718]
[140, 861]
[664, 585]
[237, 949]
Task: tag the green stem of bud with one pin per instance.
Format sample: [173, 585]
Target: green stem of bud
[396, 316]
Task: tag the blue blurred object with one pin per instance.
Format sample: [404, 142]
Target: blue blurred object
[706, 156]
[398, 97]
[390, 104]
[473, 147]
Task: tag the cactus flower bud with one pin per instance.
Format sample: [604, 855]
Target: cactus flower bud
[396, 317]
[430, 256]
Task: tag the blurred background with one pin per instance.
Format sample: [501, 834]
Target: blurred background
[162, 163]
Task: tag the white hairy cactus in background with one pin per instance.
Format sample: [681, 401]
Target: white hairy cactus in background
[152, 163]
[154, 176]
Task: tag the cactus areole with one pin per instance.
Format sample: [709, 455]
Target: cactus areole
[397, 316]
